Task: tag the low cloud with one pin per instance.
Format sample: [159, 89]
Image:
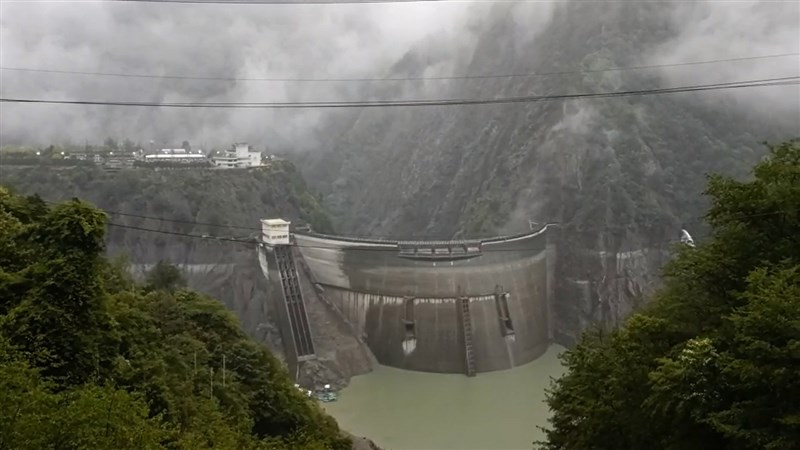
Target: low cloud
[319, 41]
[728, 30]
[263, 41]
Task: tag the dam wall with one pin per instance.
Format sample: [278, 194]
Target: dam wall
[403, 297]
[475, 306]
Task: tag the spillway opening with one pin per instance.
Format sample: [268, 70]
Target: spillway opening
[501, 301]
[410, 339]
[408, 318]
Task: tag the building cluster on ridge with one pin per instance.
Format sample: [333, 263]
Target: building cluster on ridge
[239, 156]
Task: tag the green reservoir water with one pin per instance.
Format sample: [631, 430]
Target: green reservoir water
[404, 410]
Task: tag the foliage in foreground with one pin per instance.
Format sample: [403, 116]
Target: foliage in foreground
[90, 360]
[714, 361]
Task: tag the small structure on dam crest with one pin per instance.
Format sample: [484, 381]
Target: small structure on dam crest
[275, 231]
[435, 306]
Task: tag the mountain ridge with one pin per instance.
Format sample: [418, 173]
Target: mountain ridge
[476, 159]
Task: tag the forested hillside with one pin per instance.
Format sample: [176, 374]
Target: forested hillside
[211, 203]
[713, 361]
[215, 198]
[91, 360]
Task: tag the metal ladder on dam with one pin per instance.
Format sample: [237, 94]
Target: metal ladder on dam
[295, 307]
[466, 324]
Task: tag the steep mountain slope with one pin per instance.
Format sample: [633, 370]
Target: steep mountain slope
[477, 170]
[621, 175]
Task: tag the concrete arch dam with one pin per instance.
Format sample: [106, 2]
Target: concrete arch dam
[434, 306]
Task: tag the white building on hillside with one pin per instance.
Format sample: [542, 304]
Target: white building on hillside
[176, 155]
[239, 157]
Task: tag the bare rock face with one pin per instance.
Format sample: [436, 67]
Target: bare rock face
[603, 282]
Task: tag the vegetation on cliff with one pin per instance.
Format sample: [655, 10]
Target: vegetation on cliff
[213, 202]
[89, 359]
[713, 361]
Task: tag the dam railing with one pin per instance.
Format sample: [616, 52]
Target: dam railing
[410, 243]
[295, 306]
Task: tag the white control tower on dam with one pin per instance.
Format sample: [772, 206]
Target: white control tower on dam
[434, 306]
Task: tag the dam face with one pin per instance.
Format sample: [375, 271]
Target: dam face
[436, 306]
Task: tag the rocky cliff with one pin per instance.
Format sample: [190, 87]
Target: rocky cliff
[621, 175]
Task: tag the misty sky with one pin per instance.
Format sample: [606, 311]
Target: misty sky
[309, 41]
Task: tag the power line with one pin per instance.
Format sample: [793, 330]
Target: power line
[388, 241]
[232, 239]
[783, 81]
[303, 2]
[338, 2]
[191, 222]
[326, 2]
[250, 241]
[316, 2]
[185, 222]
[356, 236]
[393, 79]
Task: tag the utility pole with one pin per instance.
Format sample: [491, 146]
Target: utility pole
[223, 370]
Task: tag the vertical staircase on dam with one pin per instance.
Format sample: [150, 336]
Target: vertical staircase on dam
[295, 307]
[466, 324]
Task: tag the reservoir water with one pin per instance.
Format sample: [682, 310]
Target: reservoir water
[404, 410]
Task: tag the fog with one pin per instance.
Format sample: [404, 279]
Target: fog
[239, 42]
[227, 41]
[726, 30]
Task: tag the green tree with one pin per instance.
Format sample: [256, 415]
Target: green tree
[89, 359]
[33, 417]
[61, 321]
[165, 276]
[712, 361]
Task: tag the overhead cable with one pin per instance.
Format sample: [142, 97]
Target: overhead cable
[396, 79]
[251, 240]
[252, 228]
[782, 81]
[315, 2]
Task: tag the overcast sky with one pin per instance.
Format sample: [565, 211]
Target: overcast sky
[293, 41]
